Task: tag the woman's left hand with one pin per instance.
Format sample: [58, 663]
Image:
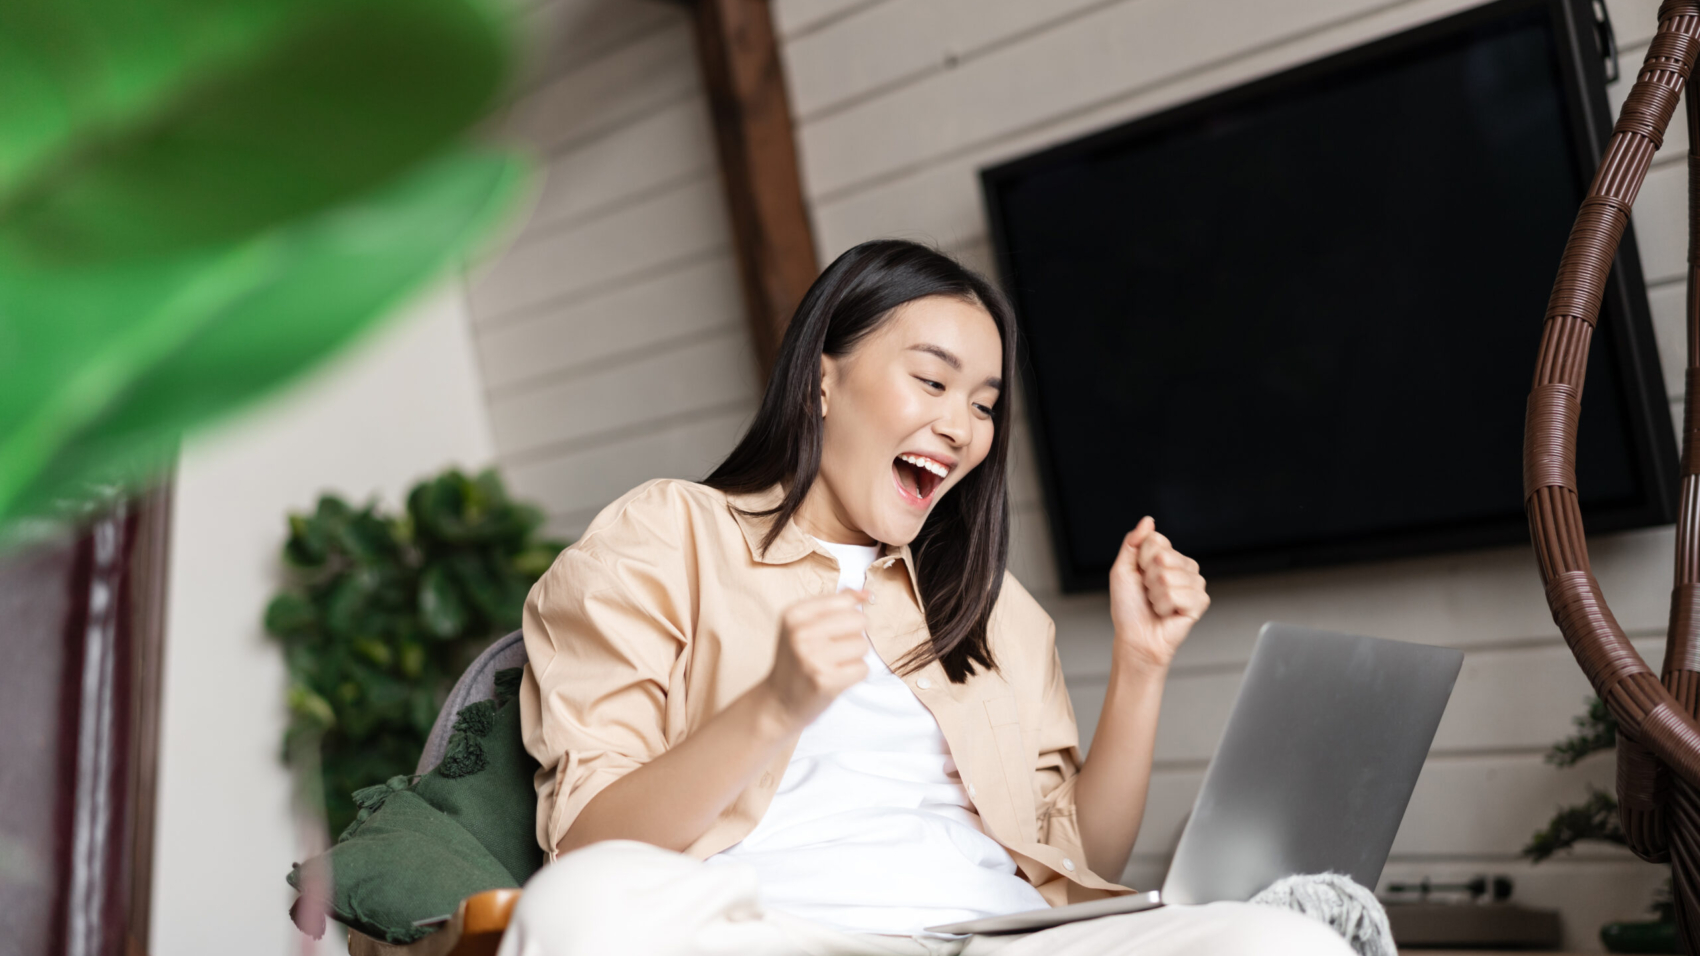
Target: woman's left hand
[1156, 595]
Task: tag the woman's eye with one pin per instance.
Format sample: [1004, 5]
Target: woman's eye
[984, 410]
[930, 383]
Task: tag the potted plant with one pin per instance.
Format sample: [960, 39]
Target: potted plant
[382, 612]
[1596, 818]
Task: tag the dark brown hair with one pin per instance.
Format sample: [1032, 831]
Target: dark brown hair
[964, 544]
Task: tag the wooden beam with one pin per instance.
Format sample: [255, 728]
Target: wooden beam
[745, 83]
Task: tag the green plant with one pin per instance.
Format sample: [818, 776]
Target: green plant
[1595, 818]
[199, 199]
[383, 611]
[1596, 730]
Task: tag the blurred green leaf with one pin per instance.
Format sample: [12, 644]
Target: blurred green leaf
[412, 661]
[480, 582]
[133, 128]
[440, 604]
[310, 707]
[374, 650]
[100, 367]
[306, 545]
[291, 614]
[366, 539]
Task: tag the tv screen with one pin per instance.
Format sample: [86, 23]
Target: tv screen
[1297, 321]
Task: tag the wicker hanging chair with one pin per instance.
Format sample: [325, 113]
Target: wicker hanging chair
[1658, 743]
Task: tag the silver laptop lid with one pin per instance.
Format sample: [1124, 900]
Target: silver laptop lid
[1317, 763]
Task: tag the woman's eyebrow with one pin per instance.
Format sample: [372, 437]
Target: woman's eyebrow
[949, 358]
[943, 354]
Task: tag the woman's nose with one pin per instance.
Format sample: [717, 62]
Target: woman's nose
[953, 426]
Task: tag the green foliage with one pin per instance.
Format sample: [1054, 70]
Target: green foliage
[199, 199]
[1596, 730]
[1594, 819]
[382, 612]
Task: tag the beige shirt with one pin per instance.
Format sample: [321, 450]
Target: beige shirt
[666, 611]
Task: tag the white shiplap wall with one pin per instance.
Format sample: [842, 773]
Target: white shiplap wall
[900, 102]
[611, 332]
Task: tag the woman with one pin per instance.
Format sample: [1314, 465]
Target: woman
[813, 672]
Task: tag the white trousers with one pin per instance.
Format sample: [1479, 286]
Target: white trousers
[623, 897]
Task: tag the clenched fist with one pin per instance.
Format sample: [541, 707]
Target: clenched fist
[1156, 596]
[821, 644]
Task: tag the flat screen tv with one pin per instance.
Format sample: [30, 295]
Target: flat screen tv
[1297, 321]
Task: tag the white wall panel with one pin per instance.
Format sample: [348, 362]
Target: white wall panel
[660, 149]
[698, 298]
[1465, 599]
[659, 231]
[1634, 22]
[1484, 716]
[1462, 807]
[562, 35]
[612, 334]
[607, 92]
[1670, 328]
[712, 373]
[794, 18]
[577, 486]
[1661, 228]
[892, 43]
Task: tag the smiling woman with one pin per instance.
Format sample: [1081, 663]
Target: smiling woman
[896, 356]
[901, 385]
[802, 707]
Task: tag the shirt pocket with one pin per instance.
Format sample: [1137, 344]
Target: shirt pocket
[1004, 717]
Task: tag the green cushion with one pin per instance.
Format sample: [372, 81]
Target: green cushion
[485, 780]
[419, 847]
[407, 861]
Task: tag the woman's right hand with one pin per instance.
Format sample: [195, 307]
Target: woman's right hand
[821, 645]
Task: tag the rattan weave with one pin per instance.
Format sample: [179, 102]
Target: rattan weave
[1658, 749]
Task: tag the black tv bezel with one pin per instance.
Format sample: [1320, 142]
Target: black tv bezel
[1625, 315]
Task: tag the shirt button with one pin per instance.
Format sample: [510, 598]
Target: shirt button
[1068, 864]
[923, 683]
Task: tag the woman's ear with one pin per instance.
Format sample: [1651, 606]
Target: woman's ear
[828, 381]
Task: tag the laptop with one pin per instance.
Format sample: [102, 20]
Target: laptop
[1314, 771]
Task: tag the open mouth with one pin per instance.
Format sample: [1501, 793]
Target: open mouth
[918, 476]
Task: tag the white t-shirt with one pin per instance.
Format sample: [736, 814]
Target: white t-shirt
[871, 830]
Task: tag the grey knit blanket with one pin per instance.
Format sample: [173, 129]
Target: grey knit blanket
[1335, 899]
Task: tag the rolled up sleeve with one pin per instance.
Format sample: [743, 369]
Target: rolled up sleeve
[1059, 759]
[603, 649]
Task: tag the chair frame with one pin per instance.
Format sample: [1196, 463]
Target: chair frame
[1658, 742]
